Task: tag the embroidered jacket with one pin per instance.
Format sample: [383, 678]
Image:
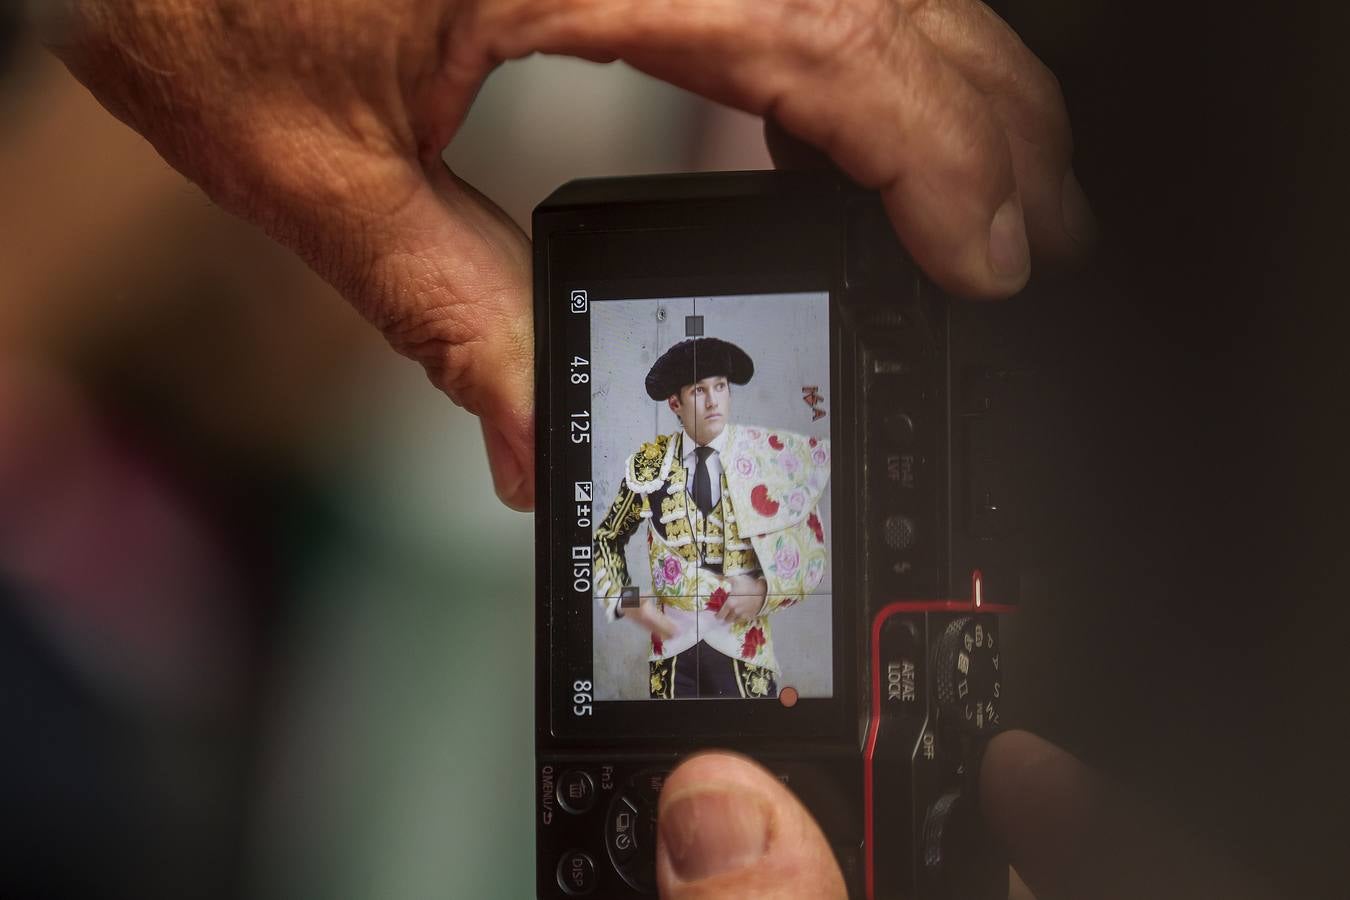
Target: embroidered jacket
[765, 524]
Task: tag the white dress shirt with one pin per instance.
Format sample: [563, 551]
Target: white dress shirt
[690, 458]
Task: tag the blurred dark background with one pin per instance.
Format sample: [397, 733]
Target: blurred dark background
[264, 630]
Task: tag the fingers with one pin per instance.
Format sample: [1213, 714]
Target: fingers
[859, 81]
[732, 609]
[1017, 888]
[656, 620]
[787, 152]
[1027, 100]
[510, 463]
[665, 626]
[727, 828]
[1071, 834]
[301, 121]
[446, 278]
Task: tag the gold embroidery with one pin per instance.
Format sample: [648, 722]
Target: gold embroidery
[611, 570]
[739, 561]
[759, 684]
[738, 556]
[712, 532]
[662, 682]
[753, 680]
[647, 461]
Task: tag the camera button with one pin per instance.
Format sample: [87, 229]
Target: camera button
[959, 856]
[576, 873]
[642, 875]
[899, 532]
[647, 786]
[899, 427]
[967, 680]
[622, 833]
[630, 830]
[576, 792]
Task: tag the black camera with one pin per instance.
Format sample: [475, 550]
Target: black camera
[818, 454]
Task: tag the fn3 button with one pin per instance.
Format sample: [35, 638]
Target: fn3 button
[576, 791]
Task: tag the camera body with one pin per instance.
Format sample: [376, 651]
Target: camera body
[870, 462]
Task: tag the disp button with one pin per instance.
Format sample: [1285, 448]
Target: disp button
[576, 873]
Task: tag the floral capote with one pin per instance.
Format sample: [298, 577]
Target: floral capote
[768, 521]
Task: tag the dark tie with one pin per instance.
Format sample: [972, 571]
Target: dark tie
[702, 481]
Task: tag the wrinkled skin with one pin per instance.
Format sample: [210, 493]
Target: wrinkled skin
[323, 121]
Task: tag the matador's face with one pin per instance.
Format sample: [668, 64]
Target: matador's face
[704, 408]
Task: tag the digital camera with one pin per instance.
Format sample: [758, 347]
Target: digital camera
[777, 513]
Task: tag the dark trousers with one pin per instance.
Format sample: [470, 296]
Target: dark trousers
[701, 671]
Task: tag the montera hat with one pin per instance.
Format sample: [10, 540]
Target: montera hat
[695, 359]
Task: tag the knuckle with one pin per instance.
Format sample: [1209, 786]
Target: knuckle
[1039, 112]
[821, 34]
[1047, 96]
[841, 31]
[423, 319]
[444, 343]
[970, 146]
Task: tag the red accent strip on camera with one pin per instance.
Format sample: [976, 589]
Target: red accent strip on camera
[974, 604]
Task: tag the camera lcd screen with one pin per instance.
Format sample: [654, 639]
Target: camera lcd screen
[697, 428]
[709, 437]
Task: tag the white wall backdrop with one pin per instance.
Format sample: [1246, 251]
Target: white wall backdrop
[787, 337]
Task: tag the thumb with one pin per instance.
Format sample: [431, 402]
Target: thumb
[445, 276]
[728, 828]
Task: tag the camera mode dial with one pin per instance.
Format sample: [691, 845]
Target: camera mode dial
[966, 675]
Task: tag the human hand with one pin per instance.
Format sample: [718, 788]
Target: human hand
[1069, 833]
[324, 123]
[745, 598]
[728, 828]
[650, 617]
